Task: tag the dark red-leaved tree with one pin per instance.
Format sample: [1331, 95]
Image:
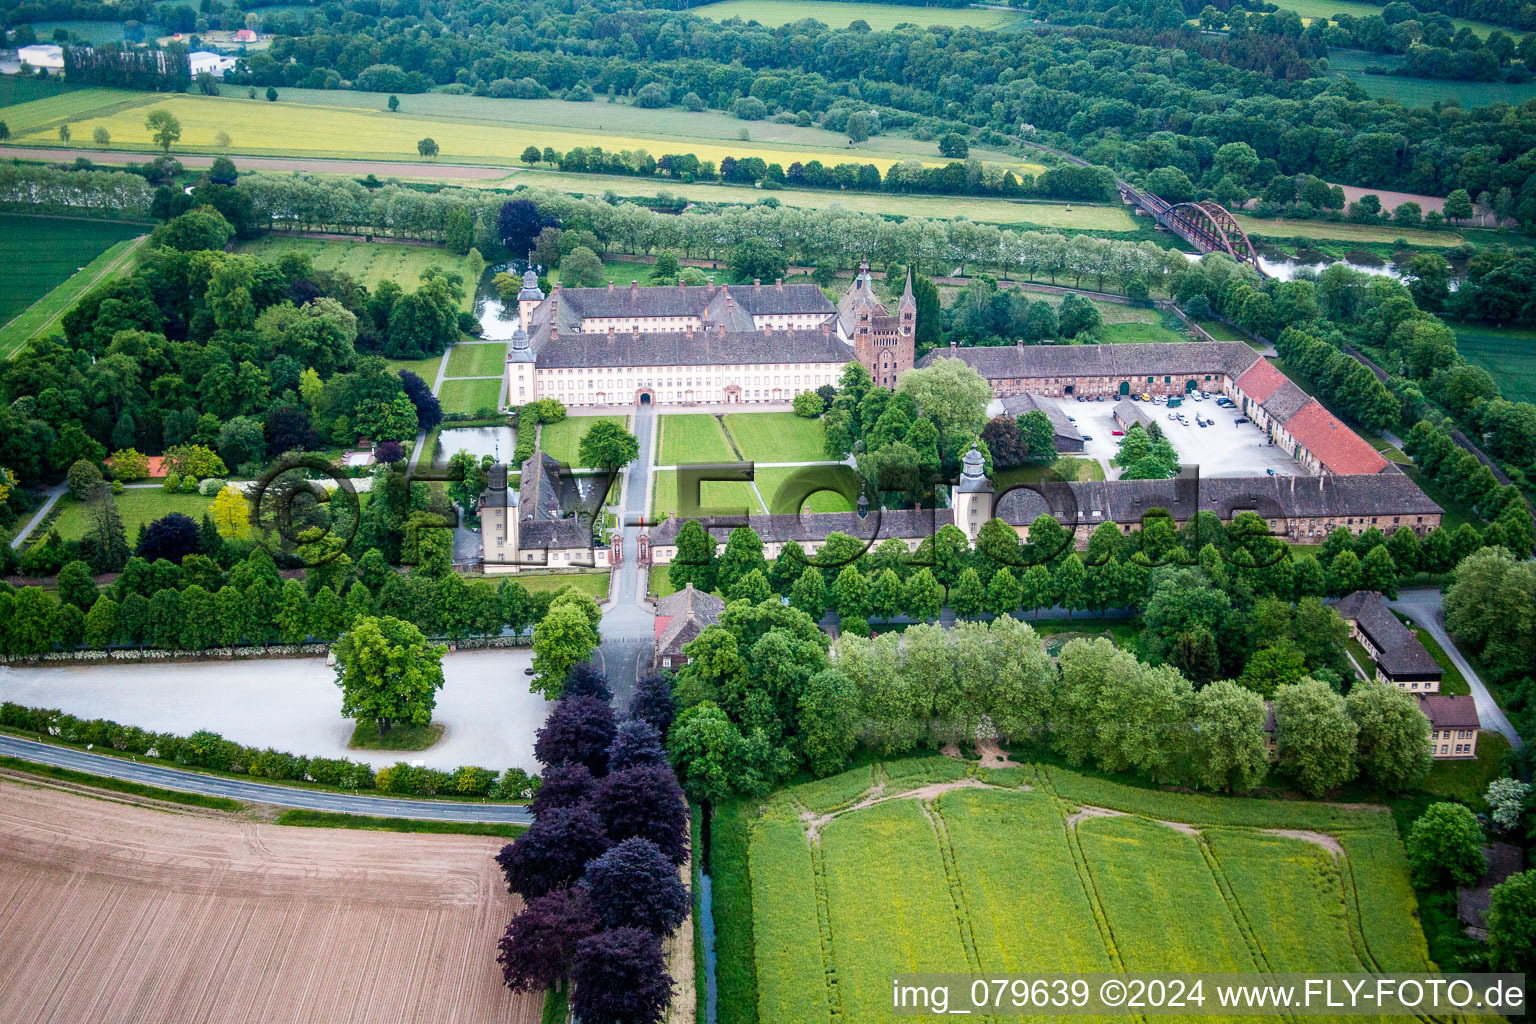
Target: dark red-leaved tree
[620, 977]
[586, 681]
[172, 537]
[540, 943]
[653, 703]
[518, 224]
[554, 851]
[429, 412]
[633, 885]
[564, 785]
[389, 451]
[635, 743]
[579, 729]
[646, 802]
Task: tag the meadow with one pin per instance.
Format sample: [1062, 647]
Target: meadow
[561, 440]
[836, 14]
[1279, 227]
[1005, 212]
[338, 130]
[777, 436]
[1310, 9]
[1509, 353]
[692, 437]
[470, 396]
[618, 273]
[912, 866]
[44, 316]
[368, 263]
[39, 255]
[1421, 92]
[723, 498]
[770, 480]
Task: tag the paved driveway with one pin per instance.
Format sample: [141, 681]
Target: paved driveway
[1423, 605]
[293, 704]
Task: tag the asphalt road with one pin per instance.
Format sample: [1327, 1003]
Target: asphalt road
[258, 792]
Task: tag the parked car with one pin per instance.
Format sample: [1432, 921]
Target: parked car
[1087, 437]
[1240, 419]
[1271, 471]
[1100, 398]
[1117, 433]
[1071, 419]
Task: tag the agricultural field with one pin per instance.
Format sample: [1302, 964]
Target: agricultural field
[282, 923]
[45, 316]
[726, 498]
[836, 14]
[41, 254]
[1421, 92]
[470, 396]
[1311, 9]
[1509, 353]
[561, 440]
[483, 359]
[18, 89]
[692, 437]
[259, 128]
[777, 436]
[139, 506]
[924, 864]
[1004, 212]
[368, 263]
[1386, 234]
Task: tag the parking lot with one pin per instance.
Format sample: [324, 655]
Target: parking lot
[1226, 448]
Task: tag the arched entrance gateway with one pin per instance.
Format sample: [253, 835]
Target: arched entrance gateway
[1190, 386]
[732, 394]
[1125, 387]
[644, 396]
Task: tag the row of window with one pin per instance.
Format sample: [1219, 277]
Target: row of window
[1461, 748]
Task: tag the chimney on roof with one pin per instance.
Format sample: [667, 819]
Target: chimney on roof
[757, 284]
[689, 329]
[720, 327]
[634, 289]
[826, 327]
[710, 288]
[611, 329]
[680, 286]
[952, 345]
[690, 586]
[557, 284]
[610, 286]
[778, 283]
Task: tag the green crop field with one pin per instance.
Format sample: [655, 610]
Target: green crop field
[777, 436]
[836, 14]
[137, 505]
[43, 317]
[1310, 9]
[1509, 353]
[16, 89]
[911, 867]
[469, 396]
[368, 263]
[1006, 212]
[693, 437]
[1421, 92]
[561, 440]
[485, 359]
[725, 498]
[1383, 233]
[464, 132]
[40, 254]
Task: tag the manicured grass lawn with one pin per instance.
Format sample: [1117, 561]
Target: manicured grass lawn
[366, 736]
[725, 498]
[594, 584]
[1137, 333]
[620, 273]
[777, 436]
[1509, 353]
[136, 505]
[41, 254]
[1279, 227]
[1066, 467]
[1453, 682]
[43, 317]
[1083, 216]
[1223, 332]
[692, 437]
[367, 262]
[469, 396]
[483, 359]
[331, 129]
[835, 14]
[561, 440]
[426, 368]
[770, 480]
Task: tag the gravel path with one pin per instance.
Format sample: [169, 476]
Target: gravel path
[293, 704]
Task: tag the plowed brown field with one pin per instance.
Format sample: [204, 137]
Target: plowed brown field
[120, 913]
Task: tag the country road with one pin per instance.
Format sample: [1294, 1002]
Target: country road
[383, 168]
[258, 792]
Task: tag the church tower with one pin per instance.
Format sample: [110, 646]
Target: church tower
[884, 343]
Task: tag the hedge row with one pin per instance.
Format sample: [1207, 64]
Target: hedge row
[209, 750]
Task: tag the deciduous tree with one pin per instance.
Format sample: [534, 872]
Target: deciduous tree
[388, 672]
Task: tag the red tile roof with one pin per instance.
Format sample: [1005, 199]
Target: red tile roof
[1261, 380]
[1339, 449]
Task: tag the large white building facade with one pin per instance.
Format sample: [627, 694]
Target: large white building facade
[700, 345]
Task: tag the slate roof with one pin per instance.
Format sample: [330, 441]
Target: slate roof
[1400, 652]
[1164, 358]
[672, 300]
[1287, 400]
[1020, 405]
[1339, 449]
[1450, 712]
[1127, 412]
[543, 500]
[777, 299]
[860, 297]
[681, 348]
[683, 615]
